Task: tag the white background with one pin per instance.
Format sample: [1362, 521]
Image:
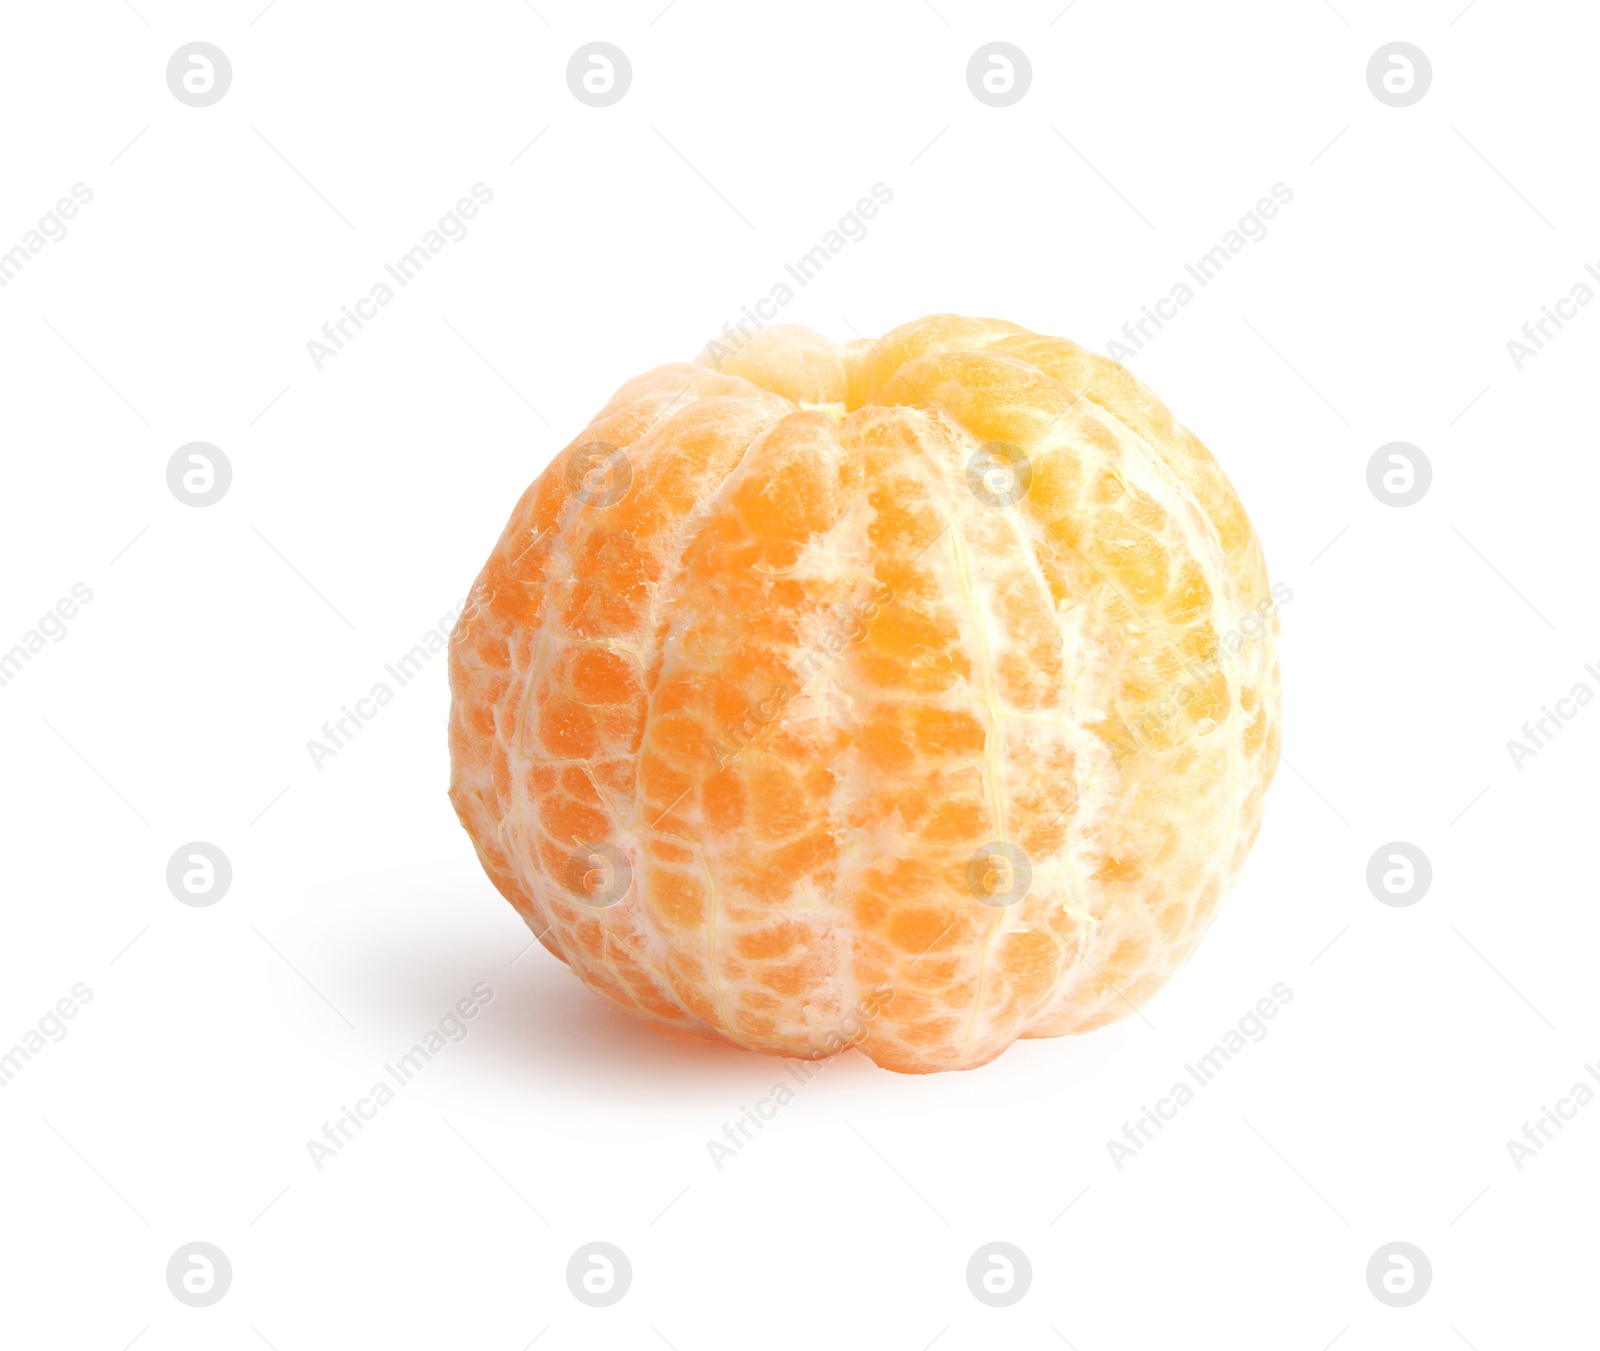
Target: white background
[366, 495]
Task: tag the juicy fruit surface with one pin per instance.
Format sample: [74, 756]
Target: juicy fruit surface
[918, 695]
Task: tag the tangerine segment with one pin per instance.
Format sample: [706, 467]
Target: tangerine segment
[918, 695]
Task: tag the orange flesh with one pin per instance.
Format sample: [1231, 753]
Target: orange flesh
[795, 666]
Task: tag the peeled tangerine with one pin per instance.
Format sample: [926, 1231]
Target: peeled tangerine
[916, 695]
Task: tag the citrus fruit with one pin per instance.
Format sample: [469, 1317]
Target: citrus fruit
[916, 695]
